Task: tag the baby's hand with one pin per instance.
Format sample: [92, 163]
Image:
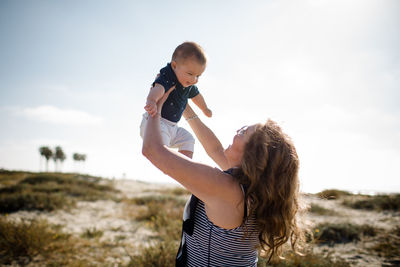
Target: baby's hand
[207, 112]
[151, 108]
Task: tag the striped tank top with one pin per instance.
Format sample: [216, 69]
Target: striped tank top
[211, 245]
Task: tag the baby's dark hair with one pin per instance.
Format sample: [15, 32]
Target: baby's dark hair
[190, 49]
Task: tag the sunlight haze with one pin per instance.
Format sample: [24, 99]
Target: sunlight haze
[76, 74]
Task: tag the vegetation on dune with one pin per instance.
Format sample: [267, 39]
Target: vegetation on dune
[50, 191]
[163, 214]
[158, 254]
[317, 209]
[176, 191]
[92, 233]
[8, 178]
[378, 203]
[160, 199]
[24, 240]
[332, 194]
[329, 233]
[388, 245]
[396, 231]
[308, 259]
[387, 248]
[38, 243]
[366, 202]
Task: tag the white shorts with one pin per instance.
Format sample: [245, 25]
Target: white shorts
[172, 135]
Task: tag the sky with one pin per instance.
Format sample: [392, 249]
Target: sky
[76, 74]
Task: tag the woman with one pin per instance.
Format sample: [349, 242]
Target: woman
[233, 214]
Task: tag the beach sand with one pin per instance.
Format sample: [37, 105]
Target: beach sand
[114, 219]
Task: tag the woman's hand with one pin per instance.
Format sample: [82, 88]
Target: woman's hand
[207, 112]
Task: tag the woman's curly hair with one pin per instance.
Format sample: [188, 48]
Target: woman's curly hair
[269, 170]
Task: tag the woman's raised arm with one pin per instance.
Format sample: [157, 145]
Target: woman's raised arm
[209, 184]
[207, 138]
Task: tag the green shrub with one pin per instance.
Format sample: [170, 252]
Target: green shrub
[396, 231]
[71, 185]
[45, 178]
[368, 230]
[47, 192]
[176, 191]
[145, 200]
[317, 209]
[161, 254]
[387, 248]
[31, 201]
[332, 194]
[23, 240]
[164, 216]
[341, 233]
[8, 178]
[388, 244]
[378, 203]
[309, 259]
[92, 233]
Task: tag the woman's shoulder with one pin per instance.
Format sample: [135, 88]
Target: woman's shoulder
[235, 173]
[226, 209]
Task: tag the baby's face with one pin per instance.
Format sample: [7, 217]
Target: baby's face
[187, 71]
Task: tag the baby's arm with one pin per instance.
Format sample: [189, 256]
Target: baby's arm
[156, 93]
[201, 103]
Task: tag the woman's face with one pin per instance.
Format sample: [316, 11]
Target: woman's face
[234, 152]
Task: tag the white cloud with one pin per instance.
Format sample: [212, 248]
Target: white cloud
[56, 115]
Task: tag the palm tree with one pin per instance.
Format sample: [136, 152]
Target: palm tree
[83, 158]
[59, 155]
[47, 153]
[79, 157]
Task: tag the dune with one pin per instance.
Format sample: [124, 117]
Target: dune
[115, 219]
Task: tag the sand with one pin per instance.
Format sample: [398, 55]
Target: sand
[111, 217]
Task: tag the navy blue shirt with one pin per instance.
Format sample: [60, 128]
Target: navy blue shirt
[176, 102]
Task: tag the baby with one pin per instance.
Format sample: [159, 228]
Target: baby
[187, 64]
